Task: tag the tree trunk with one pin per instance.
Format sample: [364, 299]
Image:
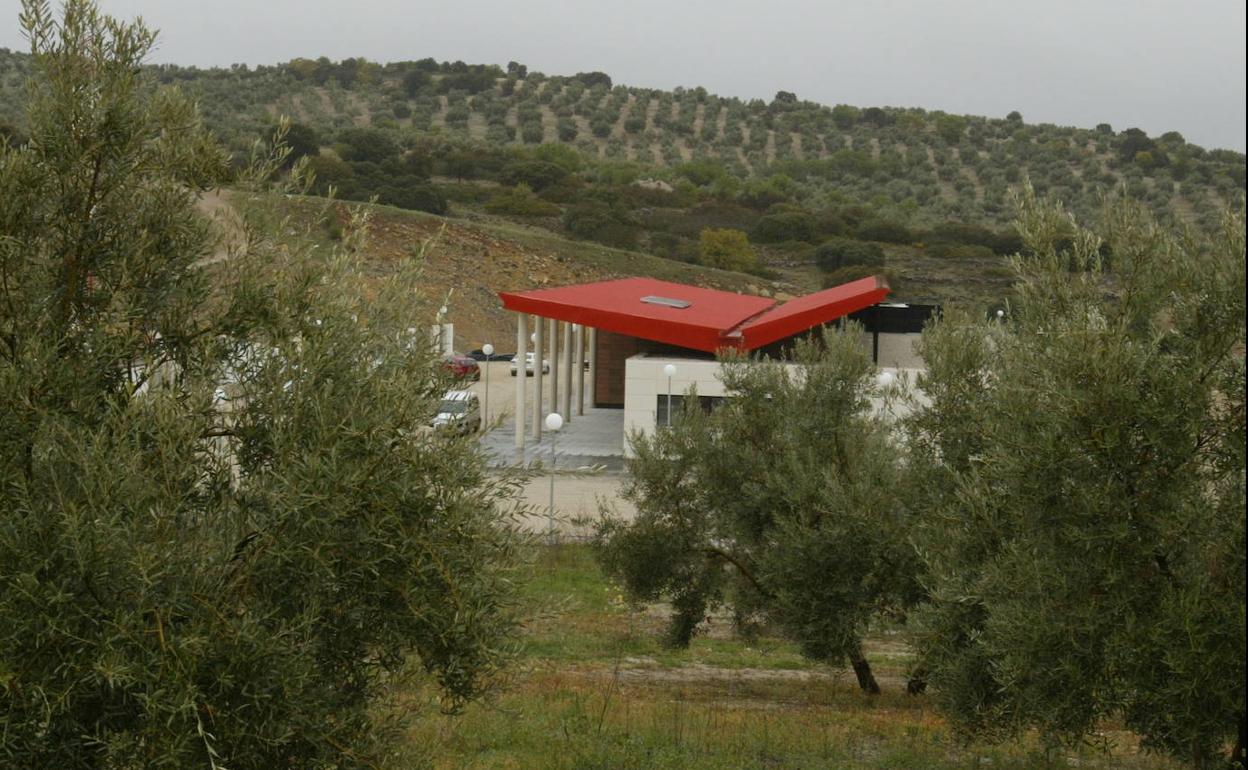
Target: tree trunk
[862, 670]
[1238, 760]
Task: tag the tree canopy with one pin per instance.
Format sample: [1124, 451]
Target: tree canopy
[225, 537]
[1084, 463]
[779, 503]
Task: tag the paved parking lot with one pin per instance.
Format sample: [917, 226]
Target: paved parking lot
[591, 444]
[595, 438]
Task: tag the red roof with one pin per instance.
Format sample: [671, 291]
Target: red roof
[689, 316]
[807, 312]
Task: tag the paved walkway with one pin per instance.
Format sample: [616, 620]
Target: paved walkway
[579, 503]
[593, 439]
[589, 459]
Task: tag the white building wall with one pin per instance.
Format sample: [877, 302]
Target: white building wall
[645, 382]
[896, 350]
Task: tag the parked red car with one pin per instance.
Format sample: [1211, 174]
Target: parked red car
[462, 367]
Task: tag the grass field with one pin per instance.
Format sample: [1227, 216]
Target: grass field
[596, 689]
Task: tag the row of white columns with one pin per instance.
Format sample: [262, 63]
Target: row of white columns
[564, 360]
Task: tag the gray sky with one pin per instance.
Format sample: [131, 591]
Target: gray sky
[1161, 65]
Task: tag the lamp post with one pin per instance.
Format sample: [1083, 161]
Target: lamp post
[670, 371]
[488, 350]
[553, 423]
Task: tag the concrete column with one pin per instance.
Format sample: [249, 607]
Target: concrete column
[578, 355]
[538, 352]
[522, 346]
[554, 365]
[593, 364]
[565, 401]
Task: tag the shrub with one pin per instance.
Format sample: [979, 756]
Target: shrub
[785, 226]
[302, 141]
[838, 253]
[366, 144]
[521, 202]
[537, 174]
[597, 221]
[726, 249]
[417, 197]
[532, 133]
[884, 230]
[857, 273]
[944, 250]
[329, 170]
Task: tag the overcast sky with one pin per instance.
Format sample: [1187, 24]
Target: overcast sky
[1161, 65]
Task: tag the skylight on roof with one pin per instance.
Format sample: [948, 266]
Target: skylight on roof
[679, 304]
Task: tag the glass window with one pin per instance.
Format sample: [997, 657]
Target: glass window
[707, 403]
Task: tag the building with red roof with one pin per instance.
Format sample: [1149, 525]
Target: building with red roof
[636, 331]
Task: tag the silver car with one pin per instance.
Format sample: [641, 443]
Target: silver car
[459, 412]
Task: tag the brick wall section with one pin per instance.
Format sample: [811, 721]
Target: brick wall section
[611, 352]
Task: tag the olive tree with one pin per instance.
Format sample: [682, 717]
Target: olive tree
[1083, 461]
[225, 539]
[781, 503]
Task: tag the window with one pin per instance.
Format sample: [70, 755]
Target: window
[707, 403]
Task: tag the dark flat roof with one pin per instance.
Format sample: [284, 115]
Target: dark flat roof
[690, 316]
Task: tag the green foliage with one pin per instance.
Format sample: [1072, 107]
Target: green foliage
[596, 220]
[844, 116]
[592, 79]
[875, 160]
[726, 249]
[366, 144]
[1084, 467]
[329, 171]
[301, 140]
[1000, 242]
[409, 195]
[225, 541]
[837, 253]
[560, 155]
[537, 174]
[862, 155]
[473, 79]
[951, 127]
[785, 226]
[886, 230]
[10, 135]
[779, 503]
[853, 273]
[948, 250]
[520, 201]
[416, 81]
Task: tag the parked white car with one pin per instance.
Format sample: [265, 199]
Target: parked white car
[529, 358]
[459, 412]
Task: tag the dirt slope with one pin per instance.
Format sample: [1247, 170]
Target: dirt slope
[474, 260]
